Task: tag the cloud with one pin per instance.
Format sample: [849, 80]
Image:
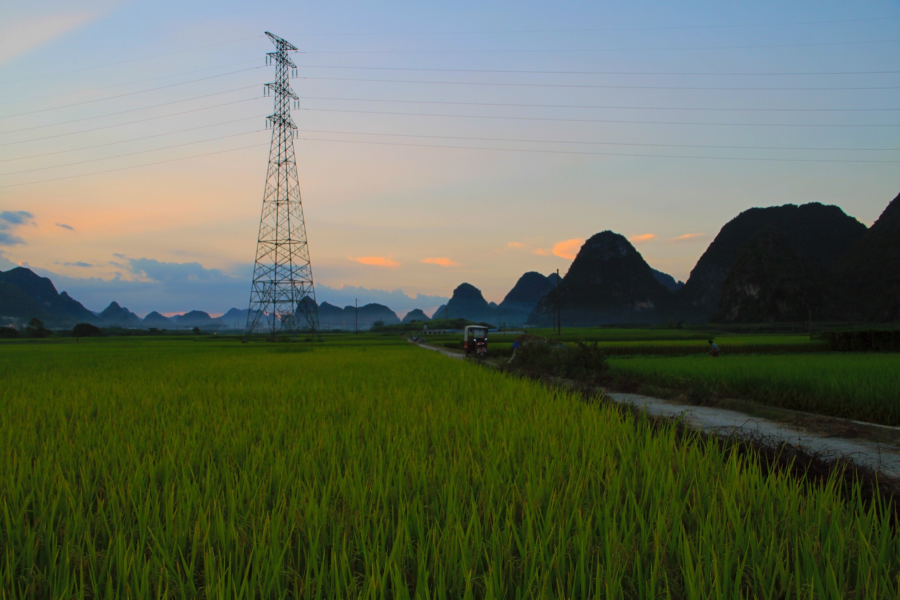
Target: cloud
[644, 237]
[687, 237]
[444, 262]
[10, 220]
[16, 217]
[568, 248]
[77, 264]
[64, 226]
[515, 245]
[542, 252]
[376, 261]
[146, 285]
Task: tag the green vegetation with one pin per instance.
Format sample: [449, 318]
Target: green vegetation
[500, 344]
[201, 468]
[855, 386]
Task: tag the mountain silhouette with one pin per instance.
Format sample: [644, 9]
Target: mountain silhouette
[524, 296]
[53, 307]
[868, 275]
[468, 303]
[815, 232]
[608, 282]
[415, 314]
[769, 282]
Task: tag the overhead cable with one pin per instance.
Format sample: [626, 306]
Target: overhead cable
[92, 160]
[538, 151]
[184, 112]
[131, 110]
[593, 50]
[161, 162]
[510, 118]
[162, 87]
[129, 140]
[608, 86]
[597, 106]
[581, 142]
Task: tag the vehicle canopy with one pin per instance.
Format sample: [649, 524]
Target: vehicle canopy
[476, 331]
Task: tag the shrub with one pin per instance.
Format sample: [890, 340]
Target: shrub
[86, 330]
[541, 357]
[36, 329]
[8, 332]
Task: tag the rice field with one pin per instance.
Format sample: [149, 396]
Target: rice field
[180, 469]
[501, 345]
[858, 386]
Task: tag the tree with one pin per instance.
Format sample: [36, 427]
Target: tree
[85, 330]
[378, 324]
[35, 328]
[8, 332]
[196, 330]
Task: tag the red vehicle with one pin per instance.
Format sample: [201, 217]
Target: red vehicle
[475, 340]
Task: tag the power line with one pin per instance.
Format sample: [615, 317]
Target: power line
[529, 72]
[707, 146]
[606, 29]
[606, 86]
[827, 160]
[133, 60]
[161, 162]
[82, 162]
[131, 110]
[146, 137]
[193, 110]
[162, 87]
[504, 117]
[596, 106]
[592, 50]
[109, 87]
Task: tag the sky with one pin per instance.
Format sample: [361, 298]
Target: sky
[439, 143]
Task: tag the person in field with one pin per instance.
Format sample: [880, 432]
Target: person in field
[713, 349]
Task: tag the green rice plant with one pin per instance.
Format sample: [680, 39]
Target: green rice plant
[853, 386]
[164, 469]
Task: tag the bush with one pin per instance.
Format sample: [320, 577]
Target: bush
[36, 329]
[863, 341]
[86, 330]
[8, 332]
[541, 357]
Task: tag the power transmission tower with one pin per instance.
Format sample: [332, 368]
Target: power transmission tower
[282, 296]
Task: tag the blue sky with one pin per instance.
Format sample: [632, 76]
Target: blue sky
[656, 120]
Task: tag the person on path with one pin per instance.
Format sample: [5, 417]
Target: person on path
[713, 349]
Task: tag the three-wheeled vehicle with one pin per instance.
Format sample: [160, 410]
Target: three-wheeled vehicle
[475, 340]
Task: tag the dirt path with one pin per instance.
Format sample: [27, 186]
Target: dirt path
[883, 458]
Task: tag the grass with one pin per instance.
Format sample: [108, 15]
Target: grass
[172, 469]
[855, 386]
[500, 345]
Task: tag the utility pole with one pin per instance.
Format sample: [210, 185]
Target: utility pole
[357, 316]
[558, 312]
[282, 288]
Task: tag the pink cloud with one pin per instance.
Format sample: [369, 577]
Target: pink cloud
[444, 262]
[644, 237]
[542, 252]
[686, 237]
[515, 245]
[568, 248]
[375, 261]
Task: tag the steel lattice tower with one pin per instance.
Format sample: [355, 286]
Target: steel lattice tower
[282, 296]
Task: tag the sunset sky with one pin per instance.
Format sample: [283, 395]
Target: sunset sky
[439, 142]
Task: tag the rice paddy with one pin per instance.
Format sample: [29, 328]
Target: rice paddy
[853, 385]
[198, 469]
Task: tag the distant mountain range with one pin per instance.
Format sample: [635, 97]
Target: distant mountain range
[782, 263]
